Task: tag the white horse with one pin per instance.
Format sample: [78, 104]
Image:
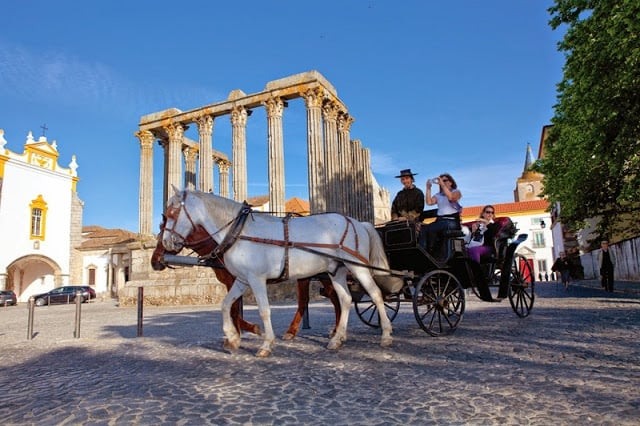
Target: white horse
[259, 247]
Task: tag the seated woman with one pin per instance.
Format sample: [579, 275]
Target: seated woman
[448, 216]
[409, 202]
[483, 232]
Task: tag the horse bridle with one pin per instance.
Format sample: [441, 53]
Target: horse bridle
[173, 213]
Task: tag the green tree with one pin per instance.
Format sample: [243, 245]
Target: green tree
[592, 158]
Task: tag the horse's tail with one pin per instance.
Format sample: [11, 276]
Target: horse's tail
[377, 256]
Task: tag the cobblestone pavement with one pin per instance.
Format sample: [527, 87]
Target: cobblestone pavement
[573, 361]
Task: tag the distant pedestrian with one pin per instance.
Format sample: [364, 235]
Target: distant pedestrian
[563, 267]
[607, 262]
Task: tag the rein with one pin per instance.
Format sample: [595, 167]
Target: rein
[237, 224]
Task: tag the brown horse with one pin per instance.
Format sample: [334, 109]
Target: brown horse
[201, 242]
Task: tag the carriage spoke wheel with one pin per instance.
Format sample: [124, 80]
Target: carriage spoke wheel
[438, 302]
[521, 287]
[368, 311]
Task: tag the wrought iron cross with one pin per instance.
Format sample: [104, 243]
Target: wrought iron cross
[44, 129]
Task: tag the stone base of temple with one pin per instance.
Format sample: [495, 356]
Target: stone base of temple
[189, 285]
[201, 292]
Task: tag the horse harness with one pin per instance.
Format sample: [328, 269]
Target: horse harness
[237, 224]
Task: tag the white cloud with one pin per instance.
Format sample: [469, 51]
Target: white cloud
[69, 80]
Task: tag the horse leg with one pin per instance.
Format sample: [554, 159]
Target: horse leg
[366, 280]
[232, 337]
[239, 323]
[302, 288]
[340, 286]
[335, 301]
[259, 288]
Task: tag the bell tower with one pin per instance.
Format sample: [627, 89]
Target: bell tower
[529, 184]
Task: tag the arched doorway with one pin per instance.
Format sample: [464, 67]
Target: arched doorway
[33, 274]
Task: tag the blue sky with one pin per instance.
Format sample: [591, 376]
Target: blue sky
[458, 87]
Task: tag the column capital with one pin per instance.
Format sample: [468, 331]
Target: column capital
[146, 138]
[189, 153]
[205, 124]
[345, 121]
[313, 98]
[330, 111]
[175, 131]
[274, 107]
[239, 116]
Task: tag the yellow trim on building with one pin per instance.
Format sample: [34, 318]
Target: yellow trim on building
[3, 161]
[41, 204]
[74, 184]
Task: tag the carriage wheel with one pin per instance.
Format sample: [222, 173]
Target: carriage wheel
[521, 287]
[368, 312]
[438, 302]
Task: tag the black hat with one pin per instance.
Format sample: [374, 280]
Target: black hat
[406, 172]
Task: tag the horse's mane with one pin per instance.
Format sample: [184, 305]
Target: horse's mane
[214, 202]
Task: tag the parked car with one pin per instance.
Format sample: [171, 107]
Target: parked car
[8, 297]
[66, 294]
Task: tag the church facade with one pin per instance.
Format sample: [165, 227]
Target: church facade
[41, 217]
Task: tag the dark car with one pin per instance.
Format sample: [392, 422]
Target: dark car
[66, 294]
[8, 297]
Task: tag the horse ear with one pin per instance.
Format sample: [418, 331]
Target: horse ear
[175, 190]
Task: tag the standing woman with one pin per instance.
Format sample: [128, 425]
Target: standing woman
[448, 210]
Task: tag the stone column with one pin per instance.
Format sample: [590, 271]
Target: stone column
[275, 108]
[174, 158]
[346, 165]
[315, 151]
[356, 150]
[145, 200]
[223, 167]
[239, 152]
[330, 116]
[367, 181]
[205, 132]
[190, 156]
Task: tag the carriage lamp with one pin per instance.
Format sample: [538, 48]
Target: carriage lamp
[542, 224]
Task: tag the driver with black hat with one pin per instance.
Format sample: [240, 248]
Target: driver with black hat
[409, 202]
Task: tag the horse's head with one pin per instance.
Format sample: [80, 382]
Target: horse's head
[199, 241]
[157, 258]
[179, 224]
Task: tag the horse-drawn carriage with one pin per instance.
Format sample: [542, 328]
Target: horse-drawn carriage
[380, 267]
[436, 287]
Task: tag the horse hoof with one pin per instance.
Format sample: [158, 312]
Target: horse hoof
[288, 336]
[263, 353]
[334, 345]
[257, 331]
[386, 342]
[230, 346]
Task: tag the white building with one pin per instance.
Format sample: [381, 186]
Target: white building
[40, 218]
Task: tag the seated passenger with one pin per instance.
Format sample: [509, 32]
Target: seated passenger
[483, 232]
[409, 202]
[448, 216]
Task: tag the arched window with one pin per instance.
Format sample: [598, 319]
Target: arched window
[38, 209]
